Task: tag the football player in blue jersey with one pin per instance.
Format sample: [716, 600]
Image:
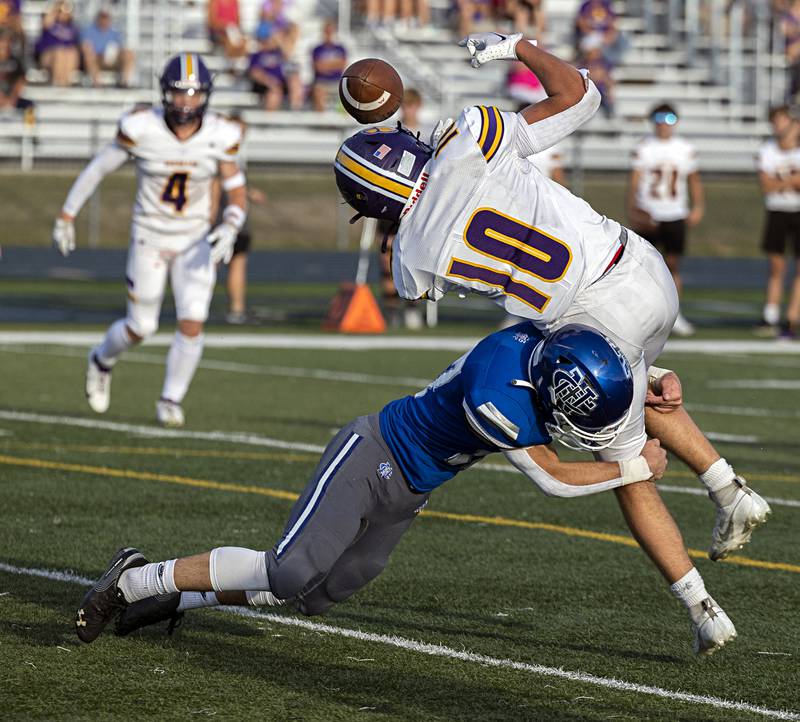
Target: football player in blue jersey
[514, 392]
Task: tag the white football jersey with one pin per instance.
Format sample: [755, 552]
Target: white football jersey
[664, 166]
[775, 161]
[483, 218]
[547, 161]
[173, 195]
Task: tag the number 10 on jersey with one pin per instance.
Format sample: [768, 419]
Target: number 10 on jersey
[529, 251]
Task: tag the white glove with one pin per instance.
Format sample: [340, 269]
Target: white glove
[64, 236]
[221, 240]
[441, 128]
[483, 47]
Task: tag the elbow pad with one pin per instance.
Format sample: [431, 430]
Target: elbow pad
[543, 134]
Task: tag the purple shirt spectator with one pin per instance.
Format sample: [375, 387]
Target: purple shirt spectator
[57, 35]
[270, 61]
[327, 52]
[596, 16]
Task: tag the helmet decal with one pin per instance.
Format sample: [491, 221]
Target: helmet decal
[389, 184]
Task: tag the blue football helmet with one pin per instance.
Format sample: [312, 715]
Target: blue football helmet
[185, 75]
[584, 384]
[377, 168]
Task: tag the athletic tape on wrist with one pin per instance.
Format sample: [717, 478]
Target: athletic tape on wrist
[654, 373]
[634, 470]
[235, 216]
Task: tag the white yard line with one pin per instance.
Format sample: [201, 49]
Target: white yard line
[744, 411]
[771, 384]
[460, 655]
[243, 368]
[239, 437]
[340, 342]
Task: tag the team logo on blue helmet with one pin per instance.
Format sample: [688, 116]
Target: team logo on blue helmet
[377, 168]
[186, 86]
[584, 384]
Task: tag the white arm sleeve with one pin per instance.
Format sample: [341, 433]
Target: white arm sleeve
[542, 134]
[550, 486]
[105, 162]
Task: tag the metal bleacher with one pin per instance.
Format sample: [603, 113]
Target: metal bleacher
[723, 118]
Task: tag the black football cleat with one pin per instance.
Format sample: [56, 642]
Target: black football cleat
[104, 600]
[150, 611]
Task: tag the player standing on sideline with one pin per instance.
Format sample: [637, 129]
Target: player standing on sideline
[473, 214]
[658, 203]
[779, 176]
[514, 392]
[178, 150]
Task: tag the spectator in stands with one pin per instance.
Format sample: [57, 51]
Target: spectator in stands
[11, 22]
[528, 18]
[104, 49]
[597, 18]
[779, 175]
[58, 48]
[272, 76]
[470, 11]
[790, 27]
[329, 59]
[600, 69]
[12, 79]
[224, 27]
[380, 13]
[414, 13]
[659, 206]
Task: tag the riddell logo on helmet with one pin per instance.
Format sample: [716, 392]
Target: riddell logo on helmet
[423, 184]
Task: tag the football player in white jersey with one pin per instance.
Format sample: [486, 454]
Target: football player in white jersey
[474, 214]
[179, 150]
[664, 168]
[779, 176]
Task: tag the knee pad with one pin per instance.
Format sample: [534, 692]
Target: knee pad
[234, 569]
[142, 323]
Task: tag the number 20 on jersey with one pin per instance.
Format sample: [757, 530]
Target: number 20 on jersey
[530, 252]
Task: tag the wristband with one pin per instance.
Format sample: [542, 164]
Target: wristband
[235, 216]
[633, 470]
[235, 181]
[654, 373]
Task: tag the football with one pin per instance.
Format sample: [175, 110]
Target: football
[371, 90]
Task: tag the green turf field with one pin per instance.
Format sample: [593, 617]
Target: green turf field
[731, 228]
[492, 568]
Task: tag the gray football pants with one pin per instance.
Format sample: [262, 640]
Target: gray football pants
[346, 522]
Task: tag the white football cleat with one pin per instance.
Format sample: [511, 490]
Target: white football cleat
[736, 521]
[713, 630]
[169, 413]
[98, 385]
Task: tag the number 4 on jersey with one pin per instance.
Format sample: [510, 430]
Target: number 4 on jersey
[175, 191]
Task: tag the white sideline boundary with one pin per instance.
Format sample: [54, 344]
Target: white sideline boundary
[438, 650]
[255, 440]
[371, 343]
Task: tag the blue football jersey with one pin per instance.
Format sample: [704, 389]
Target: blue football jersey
[472, 409]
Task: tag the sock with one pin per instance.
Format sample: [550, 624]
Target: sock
[182, 359]
[772, 313]
[197, 600]
[717, 476]
[115, 343]
[148, 581]
[260, 599]
[691, 591]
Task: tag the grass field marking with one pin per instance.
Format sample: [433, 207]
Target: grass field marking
[164, 451]
[795, 503]
[336, 342]
[743, 411]
[459, 655]
[255, 369]
[758, 384]
[235, 437]
[291, 496]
